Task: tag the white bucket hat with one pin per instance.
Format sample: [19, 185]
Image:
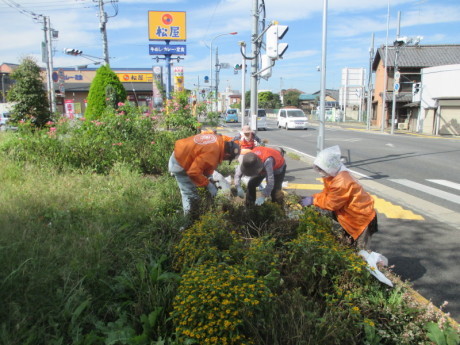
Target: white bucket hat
[329, 161]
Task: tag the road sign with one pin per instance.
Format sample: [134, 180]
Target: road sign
[224, 65]
[171, 49]
[396, 87]
[397, 75]
[61, 74]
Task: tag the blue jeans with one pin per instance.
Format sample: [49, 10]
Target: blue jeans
[187, 188]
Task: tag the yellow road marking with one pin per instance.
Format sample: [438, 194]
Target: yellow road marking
[382, 206]
[394, 211]
[304, 186]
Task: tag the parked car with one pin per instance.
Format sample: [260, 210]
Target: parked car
[4, 117]
[5, 109]
[231, 115]
[292, 118]
[261, 119]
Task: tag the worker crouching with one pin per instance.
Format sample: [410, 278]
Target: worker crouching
[344, 200]
[262, 162]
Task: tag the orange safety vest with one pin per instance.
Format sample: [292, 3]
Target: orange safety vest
[247, 144]
[352, 205]
[200, 155]
[266, 152]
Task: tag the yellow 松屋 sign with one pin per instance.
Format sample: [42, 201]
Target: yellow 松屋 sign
[167, 26]
[135, 77]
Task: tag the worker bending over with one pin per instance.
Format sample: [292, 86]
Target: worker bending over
[344, 200]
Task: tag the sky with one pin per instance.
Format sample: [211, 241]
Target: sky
[350, 27]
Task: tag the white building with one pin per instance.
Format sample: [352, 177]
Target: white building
[439, 100]
[351, 94]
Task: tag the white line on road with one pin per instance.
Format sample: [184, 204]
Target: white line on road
[312, 158]
[447, 183]
[429, 190]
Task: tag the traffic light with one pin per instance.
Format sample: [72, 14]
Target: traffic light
[275, 49]
[267, 64]
[416, 88]
[70, 51]
[238, 67]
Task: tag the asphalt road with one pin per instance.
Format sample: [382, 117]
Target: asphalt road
[388, 159]
[420, 173]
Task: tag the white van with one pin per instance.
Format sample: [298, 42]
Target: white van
[292, 118]
[261, 119]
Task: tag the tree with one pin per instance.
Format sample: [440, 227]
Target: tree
[29, 94]
[106, 91]
[291, 97]
[266, 100]
[269, 100]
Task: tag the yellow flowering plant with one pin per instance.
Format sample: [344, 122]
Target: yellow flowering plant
[214, 302]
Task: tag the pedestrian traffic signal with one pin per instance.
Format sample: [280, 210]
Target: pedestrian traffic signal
[267, 64]
[275, 49]
[416, 88]
[70, 51]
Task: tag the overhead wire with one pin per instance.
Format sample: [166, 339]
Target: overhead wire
[49, 6]
[114, 4]
[22, 10]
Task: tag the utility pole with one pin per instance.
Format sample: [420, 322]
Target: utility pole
[102, 26]
[369, 84]
[385, 75]
[217, 79]
[47, 58]
[254, 64]
[50, 64]
[395, 80]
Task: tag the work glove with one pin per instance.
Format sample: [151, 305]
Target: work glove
[307, 201]
[260, 200]
[212, 189]
[240, 191]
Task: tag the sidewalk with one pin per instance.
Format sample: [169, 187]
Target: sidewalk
[363, 126]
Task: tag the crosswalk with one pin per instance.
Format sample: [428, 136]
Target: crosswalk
[451, 197]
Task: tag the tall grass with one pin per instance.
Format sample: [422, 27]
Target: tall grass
[70, 243]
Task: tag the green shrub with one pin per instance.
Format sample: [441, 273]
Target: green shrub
[124, 136]
[106, 90]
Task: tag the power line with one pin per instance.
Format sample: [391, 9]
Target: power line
[47, 6]
[22, 10]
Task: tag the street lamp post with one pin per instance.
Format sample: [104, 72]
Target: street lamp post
[243, 83]
[210, 58]
[321, 131]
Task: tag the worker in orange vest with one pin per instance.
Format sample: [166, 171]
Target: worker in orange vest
[344, 200]
[247, 139]
[193, 162]
[262, 162]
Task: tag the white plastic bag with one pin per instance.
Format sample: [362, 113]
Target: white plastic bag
[373, 259]
[220, 180]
